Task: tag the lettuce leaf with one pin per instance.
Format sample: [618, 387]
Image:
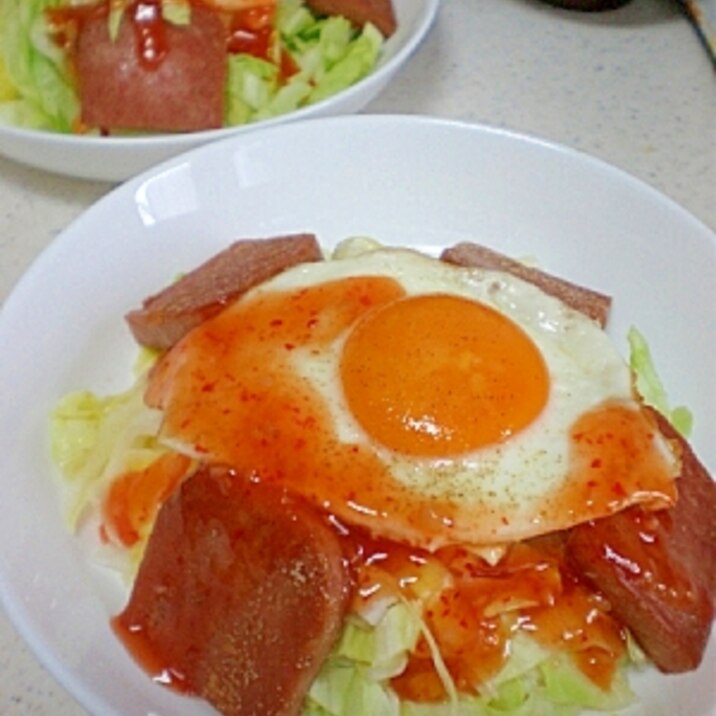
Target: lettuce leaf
[357, 60]
[36, 68]
[364, 659]
[178, 12]
[329, 54]
[566, 685]
[96, 438]
[8, 91]
[535, 681]
[650, 387]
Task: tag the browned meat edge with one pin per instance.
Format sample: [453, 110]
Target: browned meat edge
[591, 303]
[167, 316]
[378, 12]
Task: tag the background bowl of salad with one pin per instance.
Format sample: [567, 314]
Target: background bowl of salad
[284, 61]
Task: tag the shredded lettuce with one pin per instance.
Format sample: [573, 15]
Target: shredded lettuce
[36, 68]
[565, 685]
[114, 19]
[355, 62]
[357, 673]
[37, 89]
[330, 56]
[534, 681]
[345, 688]
[650, 387]
[94, 439]
[178, 12]
[8, 91]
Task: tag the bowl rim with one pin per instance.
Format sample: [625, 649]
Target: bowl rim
[14, 608]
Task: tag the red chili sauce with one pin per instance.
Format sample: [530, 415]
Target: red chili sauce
[473, 611]
[247, 31]
[530, 590]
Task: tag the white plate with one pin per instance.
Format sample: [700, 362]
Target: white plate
[403, 180]
[117, 158]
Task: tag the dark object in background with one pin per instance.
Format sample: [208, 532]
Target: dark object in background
[588, 5]
[703, 22]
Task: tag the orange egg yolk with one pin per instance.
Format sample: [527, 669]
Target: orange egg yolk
[441, 375]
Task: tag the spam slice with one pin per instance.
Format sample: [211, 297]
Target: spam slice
[241, 594]
[378, 12]
[658, 569]
[157, 76]
[168, 315]
[591, 303]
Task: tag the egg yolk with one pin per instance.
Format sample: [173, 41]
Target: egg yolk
[439, 375]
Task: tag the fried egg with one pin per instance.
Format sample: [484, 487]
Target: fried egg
[429, 403]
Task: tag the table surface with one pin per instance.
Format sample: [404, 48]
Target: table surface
[633, 87]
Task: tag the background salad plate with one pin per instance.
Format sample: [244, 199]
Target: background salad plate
[117, 158]
[406, 180]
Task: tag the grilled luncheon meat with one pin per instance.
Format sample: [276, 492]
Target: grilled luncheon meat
[658, 569]
[178, 86]
[590, 303]
[165, 317]
[241, 594]
[378, 12]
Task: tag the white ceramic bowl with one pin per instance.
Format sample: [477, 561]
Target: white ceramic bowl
[408, 180]
[118, 158]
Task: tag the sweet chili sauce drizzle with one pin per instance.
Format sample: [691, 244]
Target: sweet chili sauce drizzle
[150, 32]
[474, 619]
[249, 31]
[253, 32]
[144, 15]
[472, 608]
[135, 497]
[138, 645]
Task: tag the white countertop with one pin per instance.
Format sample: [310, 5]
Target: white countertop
[633, 87]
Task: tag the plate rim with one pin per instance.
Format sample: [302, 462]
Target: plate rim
[57, 669]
